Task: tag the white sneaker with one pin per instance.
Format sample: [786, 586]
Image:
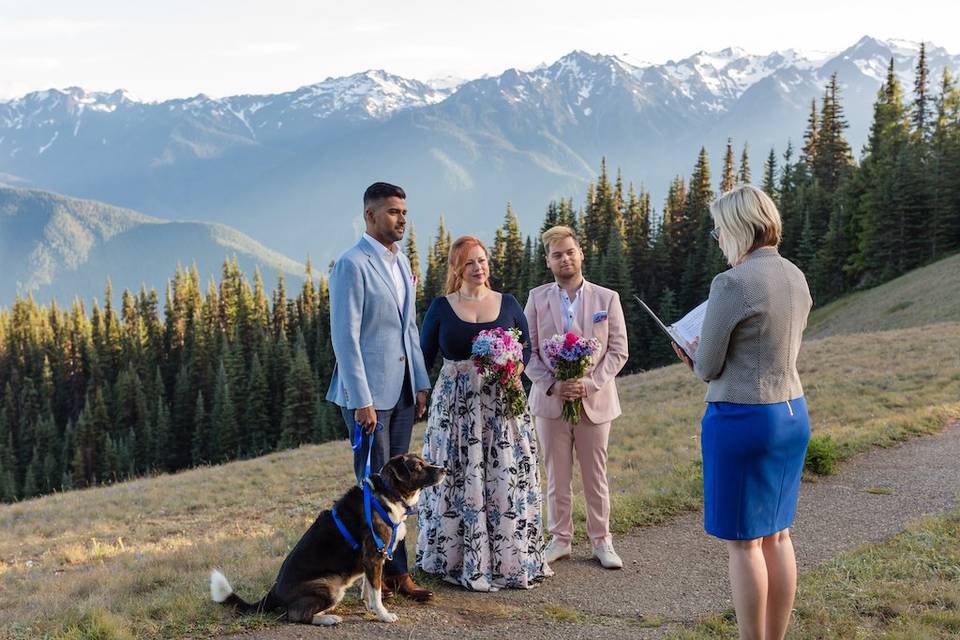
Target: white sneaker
[607, 556]
[556, 550]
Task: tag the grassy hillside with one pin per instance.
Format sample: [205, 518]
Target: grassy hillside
[132, 559]
[921, 297]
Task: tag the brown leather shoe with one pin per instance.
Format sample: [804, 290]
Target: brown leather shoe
[405, 586]
[385, 591]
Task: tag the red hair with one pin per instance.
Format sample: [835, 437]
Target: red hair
[458, 259]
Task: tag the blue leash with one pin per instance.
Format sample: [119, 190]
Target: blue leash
[370, 503]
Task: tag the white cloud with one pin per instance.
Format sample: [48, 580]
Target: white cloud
[261, 49]
[31, 29]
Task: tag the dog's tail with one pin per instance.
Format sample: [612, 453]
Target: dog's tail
[222, 592]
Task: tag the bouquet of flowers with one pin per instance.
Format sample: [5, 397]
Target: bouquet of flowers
[570, 355]
[498, 355]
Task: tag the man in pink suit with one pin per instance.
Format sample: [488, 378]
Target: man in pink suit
[573, 304]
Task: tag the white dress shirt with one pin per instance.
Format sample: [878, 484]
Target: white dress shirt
[391, 260]
[569, 306]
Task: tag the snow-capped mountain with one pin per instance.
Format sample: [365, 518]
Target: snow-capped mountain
[269, 164]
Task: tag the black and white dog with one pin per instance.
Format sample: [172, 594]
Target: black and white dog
[324, 564]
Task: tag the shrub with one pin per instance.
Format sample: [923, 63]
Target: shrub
[823, 453]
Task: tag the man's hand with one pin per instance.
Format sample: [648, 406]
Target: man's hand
[570, 389]
[366, 417]
[421, 403]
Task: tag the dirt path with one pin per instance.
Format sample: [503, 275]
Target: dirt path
[675, 572]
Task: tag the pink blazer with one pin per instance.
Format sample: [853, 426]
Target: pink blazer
[599, 315]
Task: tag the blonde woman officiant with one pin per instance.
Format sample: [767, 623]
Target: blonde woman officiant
[755, 430]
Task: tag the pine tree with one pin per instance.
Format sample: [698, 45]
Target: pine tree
[299, 405]
[162, 431]
[811, 137]
[225, 442]
[667, 309]
[637, 237]
[201, 437]
[507, 256]
[436, 278]
[615, 274]
[705, 253]
[944, 232]
[527, 270]
[8, 484]
[833, 157]
[744, 176]
[770, 177]
[90, 461]
[184, 403]
[67, 448]
[257, 415]
[728, 181]
[880, 249]
[323, 430]
[920, 111]
[788, 202]
[413, 255]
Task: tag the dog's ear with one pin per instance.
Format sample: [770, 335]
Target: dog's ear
[398, 468]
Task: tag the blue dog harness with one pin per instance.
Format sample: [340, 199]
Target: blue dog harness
[370, 503]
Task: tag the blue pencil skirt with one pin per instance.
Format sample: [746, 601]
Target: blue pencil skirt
[752, 462]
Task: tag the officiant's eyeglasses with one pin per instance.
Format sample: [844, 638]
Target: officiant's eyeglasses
[715, 233]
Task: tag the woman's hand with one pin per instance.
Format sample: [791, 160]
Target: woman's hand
[680, 354]
[519, 370]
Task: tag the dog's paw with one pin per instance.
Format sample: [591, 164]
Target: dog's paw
[386, 616]
[326, 620]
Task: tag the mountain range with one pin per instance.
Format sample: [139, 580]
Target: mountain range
[59, 248]
[289, 169]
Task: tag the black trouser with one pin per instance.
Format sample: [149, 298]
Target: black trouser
[393, 440]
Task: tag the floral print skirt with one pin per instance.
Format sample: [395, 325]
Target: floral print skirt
[481, 527]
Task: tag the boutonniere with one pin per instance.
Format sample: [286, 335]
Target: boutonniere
[599, 316]
[413, 280]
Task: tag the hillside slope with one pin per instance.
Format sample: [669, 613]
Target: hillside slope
[57, 247]
[924, 296]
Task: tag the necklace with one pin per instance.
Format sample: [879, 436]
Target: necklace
[460, 296]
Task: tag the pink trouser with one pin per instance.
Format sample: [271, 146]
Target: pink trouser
[558, 440]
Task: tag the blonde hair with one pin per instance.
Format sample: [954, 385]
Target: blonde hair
[748, 219]
[556, 234]
[457, 260]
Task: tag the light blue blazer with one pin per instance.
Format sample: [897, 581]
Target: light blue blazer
[373, 338]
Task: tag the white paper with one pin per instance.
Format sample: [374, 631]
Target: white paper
[688, 328]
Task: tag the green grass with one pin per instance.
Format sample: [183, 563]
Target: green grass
[132, 559]
[906, 588]
[921, 297]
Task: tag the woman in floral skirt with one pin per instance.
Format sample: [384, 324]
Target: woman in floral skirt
[481, 528]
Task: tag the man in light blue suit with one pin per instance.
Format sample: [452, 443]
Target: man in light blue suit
[379, 375]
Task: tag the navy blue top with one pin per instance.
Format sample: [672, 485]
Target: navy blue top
[443, 331]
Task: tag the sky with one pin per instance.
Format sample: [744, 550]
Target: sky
[179, 48]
